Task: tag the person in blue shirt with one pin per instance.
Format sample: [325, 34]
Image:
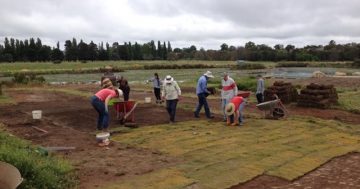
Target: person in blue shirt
[202, 93]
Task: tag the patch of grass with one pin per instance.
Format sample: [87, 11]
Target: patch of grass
[38, 170]
[285, 148]
[350, 101]
[292, 64]
[95, 66]
[250, 66]
[4, 99]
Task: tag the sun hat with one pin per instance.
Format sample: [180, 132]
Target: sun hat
[107, 84]
[168, 79]
[208, 74]
[230, 109]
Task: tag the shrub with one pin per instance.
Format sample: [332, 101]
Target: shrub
[247, 84]
[356, 63]
[292, 64]
[37, 169]
[25, 78]
[250, 66]
[176, 66]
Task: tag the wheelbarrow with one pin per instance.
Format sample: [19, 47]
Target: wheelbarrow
[273, 109]
[125, 112]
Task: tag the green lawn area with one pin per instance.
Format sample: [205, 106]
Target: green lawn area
[350, 101]
[37, 169]
[214, 156]
[6, 100]
[49, 66]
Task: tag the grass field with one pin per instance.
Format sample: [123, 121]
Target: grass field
[349, 100]
[37, 169]
[215, 156]
[132, 65]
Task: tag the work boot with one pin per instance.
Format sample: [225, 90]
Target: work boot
[196, 115]
[211, 117]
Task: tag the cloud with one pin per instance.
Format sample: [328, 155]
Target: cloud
[204, 23]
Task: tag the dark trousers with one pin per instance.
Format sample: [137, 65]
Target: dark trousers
[260, 98]
[157, 93]
[202, 102]
[171, 108]
[103, 119]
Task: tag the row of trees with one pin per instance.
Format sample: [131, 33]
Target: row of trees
[33, 50]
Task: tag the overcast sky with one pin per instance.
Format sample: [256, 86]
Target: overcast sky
[204, 23]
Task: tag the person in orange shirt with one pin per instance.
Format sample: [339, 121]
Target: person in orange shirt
[235, 107]
[100, 103]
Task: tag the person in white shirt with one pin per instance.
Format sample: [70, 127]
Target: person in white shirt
[260, 88]
[171, 93]
[228, 91]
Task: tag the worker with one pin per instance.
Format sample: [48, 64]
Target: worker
[171, 93]
[125, 88]
[235, 108]
[260, 88]
[228, 91]
[157, 85]
[100, 103]
[202, 93]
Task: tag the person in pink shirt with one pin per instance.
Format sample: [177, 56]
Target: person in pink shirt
[100, 102]
[235, 107]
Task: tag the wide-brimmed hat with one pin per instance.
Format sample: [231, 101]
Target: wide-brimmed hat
[168, 79]
[107, 84]
[230, 109]
[208, 74]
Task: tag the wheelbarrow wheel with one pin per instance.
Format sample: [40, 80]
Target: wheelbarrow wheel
[278, 113]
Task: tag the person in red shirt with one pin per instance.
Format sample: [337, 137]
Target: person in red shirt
[235, 107]
[100, 103]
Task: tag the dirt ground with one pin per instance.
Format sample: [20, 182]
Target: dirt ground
[70, 121]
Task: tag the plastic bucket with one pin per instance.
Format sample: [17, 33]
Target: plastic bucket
[36, 114]
[147, 99]
[10, 176]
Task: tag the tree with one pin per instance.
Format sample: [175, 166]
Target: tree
[224, 47]
[164, 52]
[83, 52]
[169, 49]
[159, 51]
[92, 51]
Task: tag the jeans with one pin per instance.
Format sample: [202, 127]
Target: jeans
[171, 108]
[241, 108]
[224, 102]
[202, 102]
[260, 98]
[103, 119]
[157, 93]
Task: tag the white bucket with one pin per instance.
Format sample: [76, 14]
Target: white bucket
[36, 114]
[147, 99]
[10, 176]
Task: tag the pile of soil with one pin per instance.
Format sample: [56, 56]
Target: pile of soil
[318, 96]
[284, 90]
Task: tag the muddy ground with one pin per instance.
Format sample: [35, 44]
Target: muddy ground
[70, 121]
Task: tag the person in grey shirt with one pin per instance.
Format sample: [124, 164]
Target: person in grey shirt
[260, 88]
